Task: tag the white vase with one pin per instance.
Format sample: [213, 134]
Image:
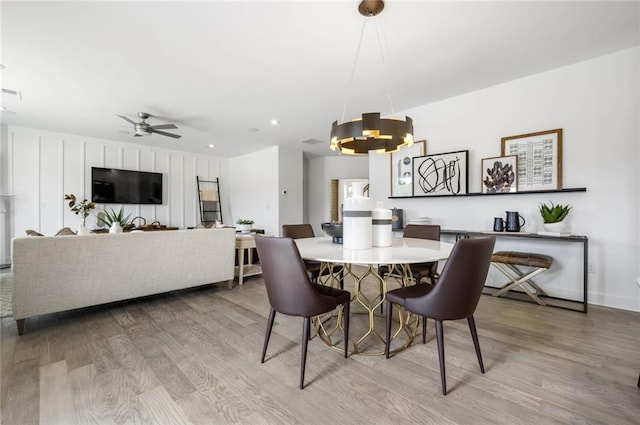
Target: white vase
[244, 228]
[555, 227]
[356, 221]
[382, 235]
[83, 231]
[115, 228]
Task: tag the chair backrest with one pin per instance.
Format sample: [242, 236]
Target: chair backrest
[297, 231]
[460, 285]
[285, 277]
[422, 231]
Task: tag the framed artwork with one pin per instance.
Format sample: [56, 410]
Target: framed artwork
[401, 168]
[539, 159]
[499, 174]
[441, 174]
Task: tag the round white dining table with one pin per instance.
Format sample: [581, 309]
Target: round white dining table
[399, 257]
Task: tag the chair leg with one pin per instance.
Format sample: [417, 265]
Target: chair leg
[305, 343]
[440, 338]
[424, 329]
[345, 322]
[388, 328]
[476, 343]
[342, 279]
[272, 316]
[309, 330]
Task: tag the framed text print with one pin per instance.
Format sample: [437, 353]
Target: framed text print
[539, 159]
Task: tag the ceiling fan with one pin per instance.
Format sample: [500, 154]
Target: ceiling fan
[144, 129]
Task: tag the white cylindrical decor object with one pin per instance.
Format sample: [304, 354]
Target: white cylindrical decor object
[356, 220]
[382, 235]
[115, 228]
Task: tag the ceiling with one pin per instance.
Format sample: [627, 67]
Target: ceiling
[221, 70]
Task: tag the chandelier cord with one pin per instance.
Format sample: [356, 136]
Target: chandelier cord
[384, 53]
[353, 69]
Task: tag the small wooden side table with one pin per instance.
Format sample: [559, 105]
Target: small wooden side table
[246, 242]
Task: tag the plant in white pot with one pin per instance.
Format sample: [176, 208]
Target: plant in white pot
[244, 225]
[553, 216]
[114, 221]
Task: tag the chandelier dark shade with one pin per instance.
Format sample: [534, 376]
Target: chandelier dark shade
[370, 132]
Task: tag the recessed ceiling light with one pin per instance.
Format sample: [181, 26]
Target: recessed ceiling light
[275, 122]
[211, 146]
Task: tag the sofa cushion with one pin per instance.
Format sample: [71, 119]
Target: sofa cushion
[65, 231]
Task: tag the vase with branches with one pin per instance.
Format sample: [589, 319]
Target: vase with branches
[80, 208]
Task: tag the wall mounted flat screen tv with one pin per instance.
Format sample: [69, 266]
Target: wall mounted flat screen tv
[113, 186]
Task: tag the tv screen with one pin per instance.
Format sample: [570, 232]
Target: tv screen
[113, 186]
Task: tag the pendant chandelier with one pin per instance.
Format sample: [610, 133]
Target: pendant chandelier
[370, 132]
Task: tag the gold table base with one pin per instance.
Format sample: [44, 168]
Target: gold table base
[404, 329]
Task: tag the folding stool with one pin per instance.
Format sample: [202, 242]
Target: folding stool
[506, 262]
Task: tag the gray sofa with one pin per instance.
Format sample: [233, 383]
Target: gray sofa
[53, 274]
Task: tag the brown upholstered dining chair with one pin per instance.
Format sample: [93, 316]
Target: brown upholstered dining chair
[420, 271]
[291, 292]
[299, 231]
[455, 296]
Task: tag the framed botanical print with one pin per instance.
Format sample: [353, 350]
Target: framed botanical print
[500, 174]
[401, 168]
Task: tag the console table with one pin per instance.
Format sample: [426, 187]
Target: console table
[246, 242]
[561, 302]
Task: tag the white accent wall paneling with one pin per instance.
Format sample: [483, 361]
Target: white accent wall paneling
[46, 165]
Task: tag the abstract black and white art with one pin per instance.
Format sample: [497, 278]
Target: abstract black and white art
[441, 174]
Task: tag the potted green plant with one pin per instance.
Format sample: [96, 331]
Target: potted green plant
[553, 216]
[114, 221]
[244, 225]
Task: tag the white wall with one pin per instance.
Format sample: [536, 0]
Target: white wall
[321, 171]
[43, 166]
[597, 103]
[290, 180]
[258, 181]
[6, 218]
[254, 189]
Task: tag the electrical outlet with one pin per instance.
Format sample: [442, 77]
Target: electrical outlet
[591, 268]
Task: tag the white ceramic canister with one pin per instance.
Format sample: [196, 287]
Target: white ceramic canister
[381, 220]
[356, 220]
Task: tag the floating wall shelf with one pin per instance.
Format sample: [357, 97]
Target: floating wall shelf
[529, 192]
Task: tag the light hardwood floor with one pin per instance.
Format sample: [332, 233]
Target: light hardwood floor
[192, 357]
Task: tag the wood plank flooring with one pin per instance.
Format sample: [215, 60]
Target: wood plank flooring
[192, 357]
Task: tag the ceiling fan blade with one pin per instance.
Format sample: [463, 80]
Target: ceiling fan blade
[126, 119]
[163, 126]
[164, 133]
